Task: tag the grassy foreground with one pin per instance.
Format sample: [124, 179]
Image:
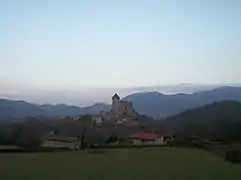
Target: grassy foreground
[122, 164]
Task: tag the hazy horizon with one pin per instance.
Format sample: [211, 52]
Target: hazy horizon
[81, 52]
[85, 97]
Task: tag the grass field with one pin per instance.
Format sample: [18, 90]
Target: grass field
[122, 164]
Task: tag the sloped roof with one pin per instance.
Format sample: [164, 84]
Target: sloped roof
[61, 139]
[116, 96]
[145, 136]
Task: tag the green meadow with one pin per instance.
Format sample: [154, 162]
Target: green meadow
[118, 164]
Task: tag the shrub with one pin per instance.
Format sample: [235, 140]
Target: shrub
[112, 139]
[233, 156]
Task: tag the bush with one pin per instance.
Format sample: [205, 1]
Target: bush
[112, 139]
[30, 135]
[233, 156]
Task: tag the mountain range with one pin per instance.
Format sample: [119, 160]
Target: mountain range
[153, 104]
[158, 105]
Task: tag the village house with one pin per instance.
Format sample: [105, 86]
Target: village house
[143, 138]
[60, 142]
[97, 119]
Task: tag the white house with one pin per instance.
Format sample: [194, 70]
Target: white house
[97, 119]
[60, 142]
[142, 138]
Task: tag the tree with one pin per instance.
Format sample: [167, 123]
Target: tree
[82, 138]
[31, 133]
[112, 139]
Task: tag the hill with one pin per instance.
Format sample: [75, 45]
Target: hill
[220, 119]
[153, 104]
[159, 105]
[95, 108]
[18, 110]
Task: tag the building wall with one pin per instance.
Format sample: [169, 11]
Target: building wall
[115, 105]
[158, 141]
[149, 142]
[59, 144]
[142, 142]
[125, 107]
[137, 142]
[97, 119]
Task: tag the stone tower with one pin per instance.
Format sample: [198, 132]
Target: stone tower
[115, 103]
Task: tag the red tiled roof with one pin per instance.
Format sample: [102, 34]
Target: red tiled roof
[145, 136]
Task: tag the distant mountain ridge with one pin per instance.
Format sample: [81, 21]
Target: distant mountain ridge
[154, 104]
[18, 110]
[158, 105]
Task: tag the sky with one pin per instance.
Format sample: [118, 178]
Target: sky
[75, 50]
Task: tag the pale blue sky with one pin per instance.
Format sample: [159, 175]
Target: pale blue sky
[71, 44]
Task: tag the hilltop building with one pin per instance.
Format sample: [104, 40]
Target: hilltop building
[121, 111]
[121, 107]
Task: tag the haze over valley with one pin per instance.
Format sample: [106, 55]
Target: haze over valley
[153, 104]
